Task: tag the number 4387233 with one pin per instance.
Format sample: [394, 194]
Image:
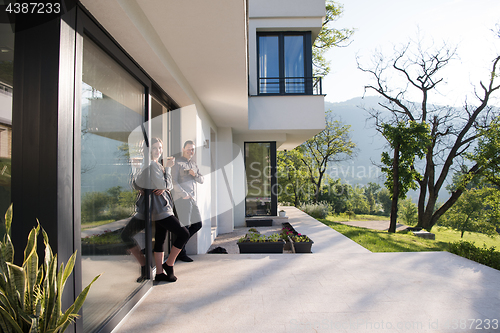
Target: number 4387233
[33, 8]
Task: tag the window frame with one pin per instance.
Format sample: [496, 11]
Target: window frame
[308, 73]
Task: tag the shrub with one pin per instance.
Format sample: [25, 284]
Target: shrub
[317, 210]
[486, 256]
[408, 212]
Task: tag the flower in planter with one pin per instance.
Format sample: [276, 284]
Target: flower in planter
[258, 238]
[285, 231]
[299, 238]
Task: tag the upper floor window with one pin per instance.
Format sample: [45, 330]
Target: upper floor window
[285, 63]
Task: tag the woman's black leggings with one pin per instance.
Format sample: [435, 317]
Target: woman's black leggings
[133, 227]
[173, 225]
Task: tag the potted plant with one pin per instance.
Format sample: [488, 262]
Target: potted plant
[282, 213]
[31, 294]
[301, 243]
[254, 242]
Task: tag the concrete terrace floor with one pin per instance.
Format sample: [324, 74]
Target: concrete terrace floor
[340, 287]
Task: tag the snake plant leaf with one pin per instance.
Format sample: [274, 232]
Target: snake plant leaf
[30, 267]
[56, 311]
[31, 244]
[10, 323]
[8, 219]
[35, 327]
[72, 311]
[70, 264]
[50, 296]
[17, 277]
[48, 250]
[7, 249]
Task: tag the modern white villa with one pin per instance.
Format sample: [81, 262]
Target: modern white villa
[233, 76]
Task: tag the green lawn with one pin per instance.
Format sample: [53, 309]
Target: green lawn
[94, 224]
[382, 241]
[361, 217]
[449, 235]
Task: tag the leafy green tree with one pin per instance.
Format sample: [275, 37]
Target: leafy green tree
[407, 141]
[333, 144]
[476, 210]
[454, 131]
[357, 201]
[293, 178]
[93, 205]
[336, 194]
[329, 37]
[127, 199]
[114, 195]
[408, 212]
[371, 190]
[487, 153]
[384, 197]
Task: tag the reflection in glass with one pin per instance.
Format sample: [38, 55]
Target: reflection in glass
[6, 89]
[112, 107]
[258, 172]
[269, 65]
[294, 64]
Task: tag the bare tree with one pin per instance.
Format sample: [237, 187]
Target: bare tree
[453, 130]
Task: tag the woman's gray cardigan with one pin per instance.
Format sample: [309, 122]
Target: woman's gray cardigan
[152, 178]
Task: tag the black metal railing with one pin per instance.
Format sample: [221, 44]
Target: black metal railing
[290, 85]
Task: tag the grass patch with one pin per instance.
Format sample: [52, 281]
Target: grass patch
[449, 235]
[342, 217]
[95, 224]
[382, 241]
[110, 237]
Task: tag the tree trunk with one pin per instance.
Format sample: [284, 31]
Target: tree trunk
[395, 189]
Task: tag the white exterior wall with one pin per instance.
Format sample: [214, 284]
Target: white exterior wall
[240, 186]
[195, 125]
[286, 8]
[286, 112]
[225, 209]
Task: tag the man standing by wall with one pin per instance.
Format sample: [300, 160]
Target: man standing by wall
[185, 174]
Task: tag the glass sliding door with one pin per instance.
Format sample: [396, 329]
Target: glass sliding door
[294, 64]
[269, 65]
[6, 89]
[260, 169]
[112, 106]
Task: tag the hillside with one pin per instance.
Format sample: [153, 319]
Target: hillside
[363, 168]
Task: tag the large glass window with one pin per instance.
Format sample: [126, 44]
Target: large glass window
[294, 64]
[269, 65]
[6, 89]
[113, 105]
[284, 63]
[260, 166]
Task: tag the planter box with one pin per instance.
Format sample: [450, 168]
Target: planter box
[302, 247]
[261, 247]
[259, 222]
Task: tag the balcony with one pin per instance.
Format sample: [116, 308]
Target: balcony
[290, 85]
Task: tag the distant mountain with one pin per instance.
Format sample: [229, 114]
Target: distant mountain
[363, 168]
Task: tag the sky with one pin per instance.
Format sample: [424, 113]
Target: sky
[383, 24]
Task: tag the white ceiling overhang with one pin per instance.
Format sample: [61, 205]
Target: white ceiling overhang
[195, 50]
